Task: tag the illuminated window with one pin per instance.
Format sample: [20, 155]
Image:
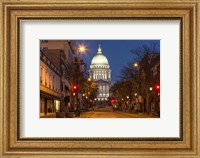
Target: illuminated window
[107, 87]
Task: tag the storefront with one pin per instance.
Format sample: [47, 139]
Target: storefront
[49, 103]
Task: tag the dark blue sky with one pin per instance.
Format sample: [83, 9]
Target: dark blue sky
[118, 52]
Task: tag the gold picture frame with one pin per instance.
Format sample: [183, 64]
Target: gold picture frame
[13, 11]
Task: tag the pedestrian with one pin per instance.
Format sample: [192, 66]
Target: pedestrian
[68, 106]
[120, 105]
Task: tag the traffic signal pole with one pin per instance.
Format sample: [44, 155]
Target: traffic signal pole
[77, 87]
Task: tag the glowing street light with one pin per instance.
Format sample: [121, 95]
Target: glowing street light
[135, 65]
[82, 48]
[150, 88]
[135, 94]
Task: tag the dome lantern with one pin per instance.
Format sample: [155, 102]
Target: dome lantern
[99, 50]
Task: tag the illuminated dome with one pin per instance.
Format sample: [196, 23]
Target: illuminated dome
[99, 59]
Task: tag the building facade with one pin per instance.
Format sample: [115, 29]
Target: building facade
[56, 75]
[101, 74]
[50, 93]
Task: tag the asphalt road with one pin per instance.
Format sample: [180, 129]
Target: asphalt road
[113, 114]
[105, 112]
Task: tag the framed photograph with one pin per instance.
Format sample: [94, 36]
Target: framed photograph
[99, 78]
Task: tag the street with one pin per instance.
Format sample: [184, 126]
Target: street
[108, 112]
[113, 114]
[104, 112]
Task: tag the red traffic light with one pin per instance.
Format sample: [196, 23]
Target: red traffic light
[112, 101]
[157, 87]
[75, 87]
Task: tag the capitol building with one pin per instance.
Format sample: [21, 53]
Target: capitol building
[101, 74]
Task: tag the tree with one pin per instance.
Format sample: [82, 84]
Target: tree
[147, 56]
[138, 78]
[89, 89]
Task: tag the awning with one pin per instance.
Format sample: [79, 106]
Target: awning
[48, 96]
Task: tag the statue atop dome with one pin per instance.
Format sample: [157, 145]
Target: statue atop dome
[99, 50]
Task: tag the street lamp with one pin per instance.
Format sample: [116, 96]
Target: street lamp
[135, 94]
[135, 64]
[150, 88]
[80, 49]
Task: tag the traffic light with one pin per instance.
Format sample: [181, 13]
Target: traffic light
[75, 87]
[157, 87]
[112, 101]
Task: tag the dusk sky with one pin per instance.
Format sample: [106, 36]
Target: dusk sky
[118, 52]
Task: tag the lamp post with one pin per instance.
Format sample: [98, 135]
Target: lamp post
[136, 65]
[80, 49]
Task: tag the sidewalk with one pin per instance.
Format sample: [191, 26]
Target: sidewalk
[48, 115]
[145, 115]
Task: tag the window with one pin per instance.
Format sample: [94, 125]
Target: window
[45, 48]
[41, 75]
[49, 80]
[53, 81]
[46, 78]
[44, 57]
